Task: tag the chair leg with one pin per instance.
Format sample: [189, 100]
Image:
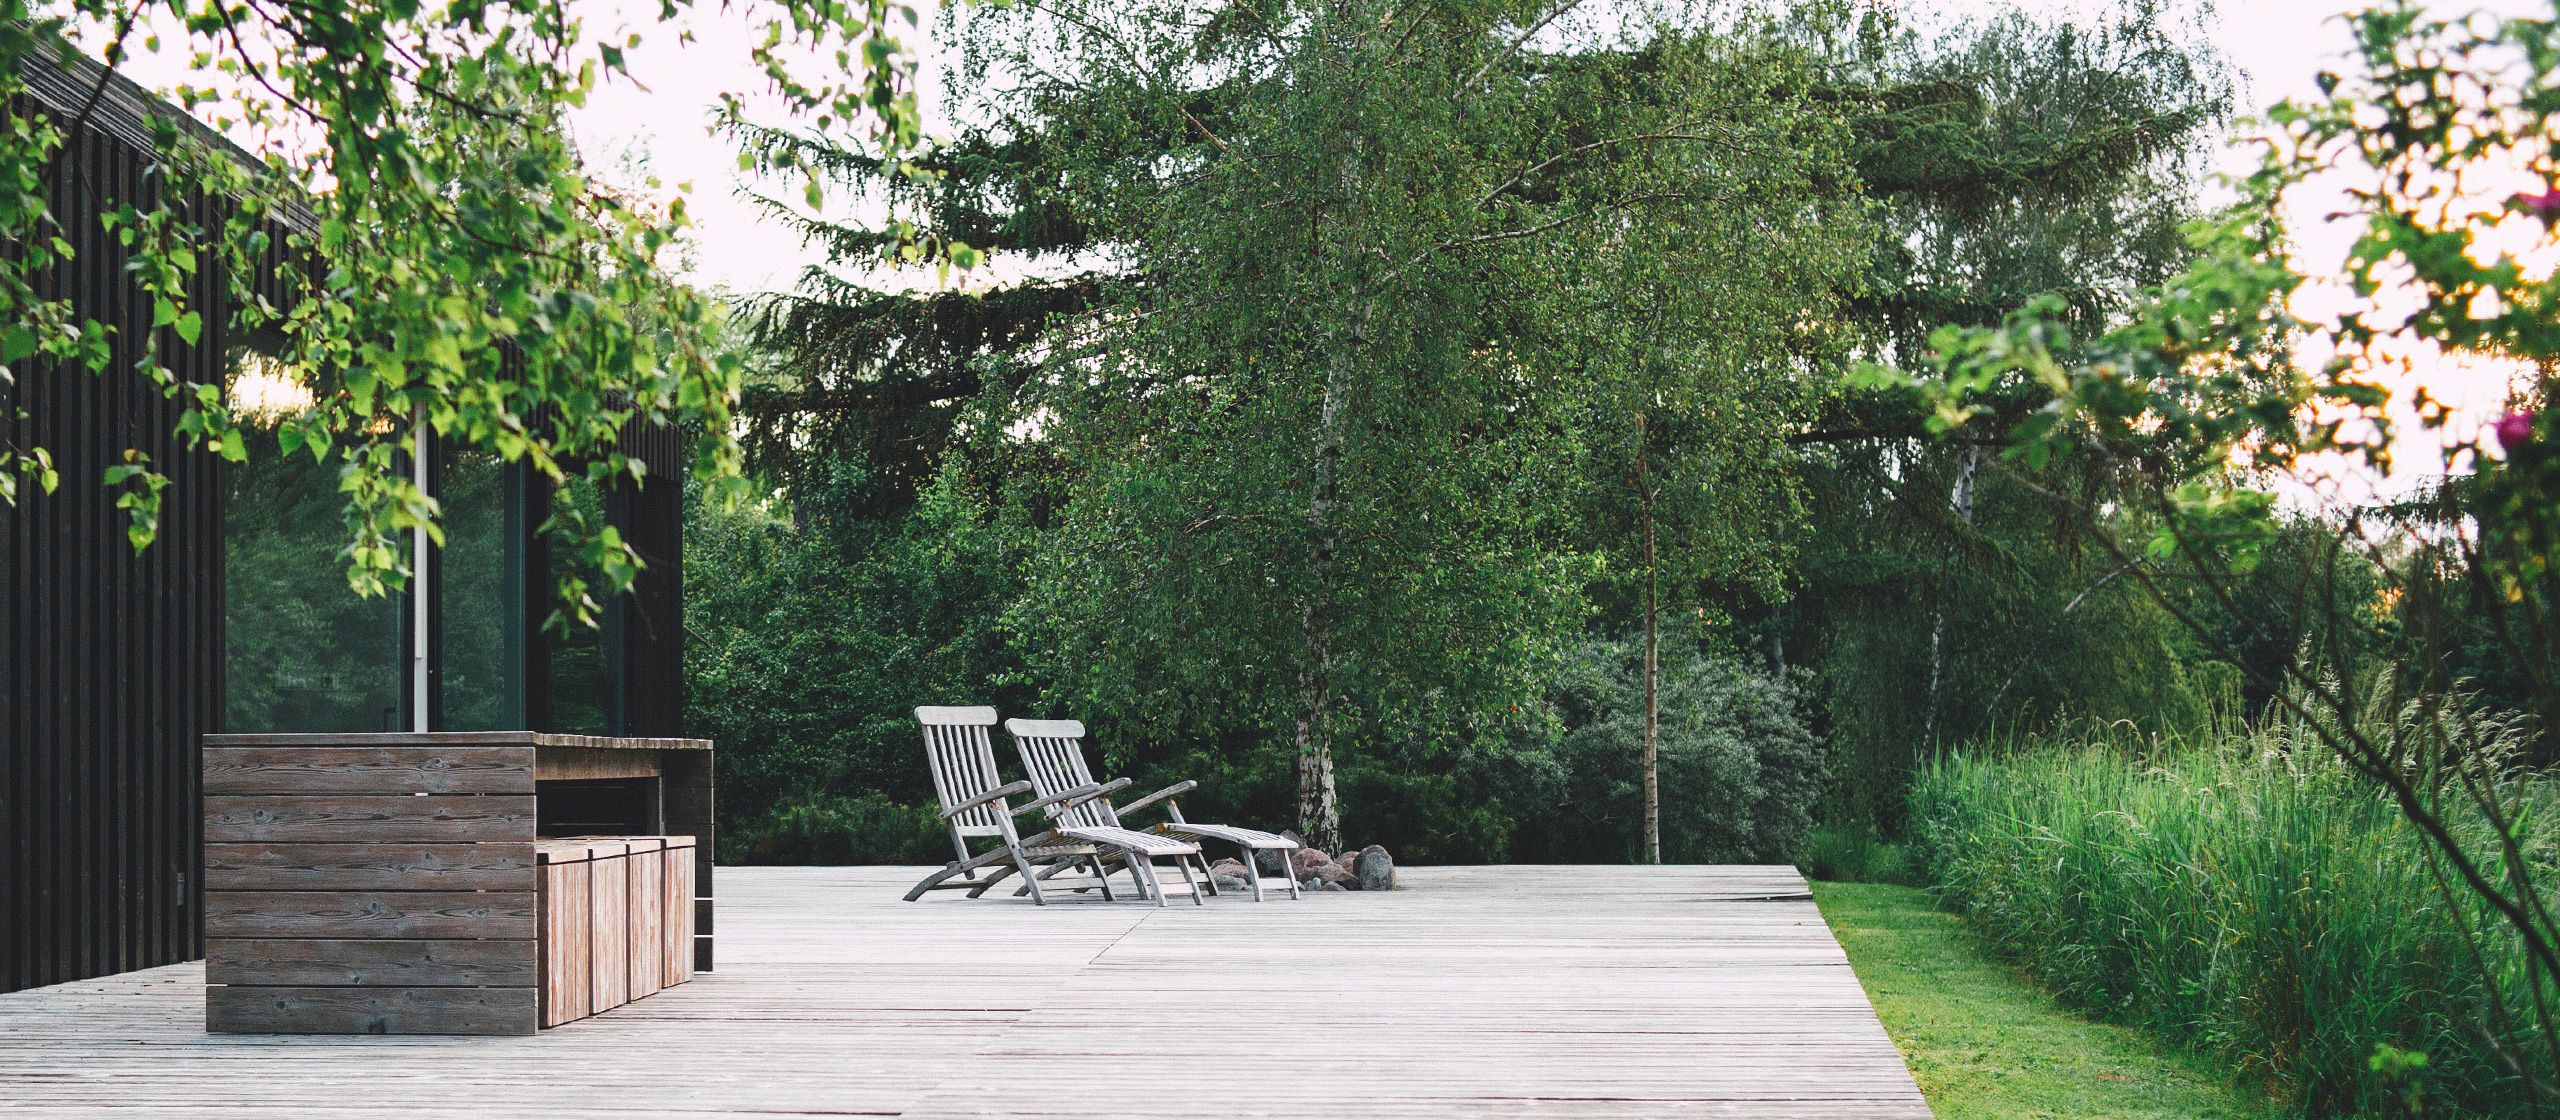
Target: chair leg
[1101, 875]
[1146, 866]
[1184, 862]
[1001, 870]
[1288, 860]
[1253, 871]
[929, 881]
[1205, 877]
[1023, 864]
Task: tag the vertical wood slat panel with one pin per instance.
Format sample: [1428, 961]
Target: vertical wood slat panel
[647, 909]
[95, 608]
[609, 925]
[677, 905]
[111, 661]
[649, 666]
[10, 613]
[568, 972]
[113, 690]
[79, 781]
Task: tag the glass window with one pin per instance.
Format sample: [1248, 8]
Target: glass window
[581, 682]
[479, 612]
[303, 651]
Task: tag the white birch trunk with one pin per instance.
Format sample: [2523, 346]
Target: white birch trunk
[1652, 658]
[1961, 501]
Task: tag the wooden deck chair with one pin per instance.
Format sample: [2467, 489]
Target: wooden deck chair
[1052, 753]
[977, 804]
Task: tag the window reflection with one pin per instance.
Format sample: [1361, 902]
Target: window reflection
[302, 651]
[581, 685]
[482, 680]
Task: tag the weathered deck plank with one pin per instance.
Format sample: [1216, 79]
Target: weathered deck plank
[1518, 992]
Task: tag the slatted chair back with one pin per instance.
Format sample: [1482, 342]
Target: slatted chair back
[1052, 753]
[963, 760]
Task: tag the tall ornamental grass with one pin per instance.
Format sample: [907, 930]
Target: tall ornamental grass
[2249, 896]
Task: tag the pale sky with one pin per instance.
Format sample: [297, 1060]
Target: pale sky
[663, 114]
[2281, 45]
[662, 117]
[2277, 44]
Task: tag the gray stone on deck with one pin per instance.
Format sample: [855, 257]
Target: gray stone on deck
[1376, 869]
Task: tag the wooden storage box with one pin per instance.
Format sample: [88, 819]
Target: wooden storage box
[679, 909]
[393, 883]
[568, 990]
[617, 921]
[648, 915]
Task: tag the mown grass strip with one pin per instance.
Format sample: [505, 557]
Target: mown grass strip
[1986, 1044]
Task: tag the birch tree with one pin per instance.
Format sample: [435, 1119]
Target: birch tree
[1330, 426]
[1693, 490]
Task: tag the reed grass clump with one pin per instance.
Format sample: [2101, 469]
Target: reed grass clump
[2248, 895]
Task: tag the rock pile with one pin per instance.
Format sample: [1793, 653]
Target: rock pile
[1360, 869]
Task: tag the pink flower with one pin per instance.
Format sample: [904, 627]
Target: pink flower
[2513, 429]
[2545, 205]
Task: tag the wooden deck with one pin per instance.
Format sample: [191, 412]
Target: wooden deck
[1508, 992]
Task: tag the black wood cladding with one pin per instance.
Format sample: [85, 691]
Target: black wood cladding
[112, 660]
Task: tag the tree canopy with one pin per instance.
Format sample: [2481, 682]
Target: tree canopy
[1355, 316]
[453, 263]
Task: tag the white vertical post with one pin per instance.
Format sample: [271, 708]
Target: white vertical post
[419, 587]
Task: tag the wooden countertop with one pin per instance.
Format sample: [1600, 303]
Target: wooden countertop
[451, 738]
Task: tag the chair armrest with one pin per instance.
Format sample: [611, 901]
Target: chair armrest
[997, 794]
[1055, 798]
[1113, 786]
[1069, 798]
[1167, 794]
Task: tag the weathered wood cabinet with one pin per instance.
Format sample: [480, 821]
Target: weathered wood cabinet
[395, 883]
[617, 921]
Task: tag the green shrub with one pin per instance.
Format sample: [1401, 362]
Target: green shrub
[809, 645]
[1740, 767]
[831, 828]
[2254, 900]
[1852, 854]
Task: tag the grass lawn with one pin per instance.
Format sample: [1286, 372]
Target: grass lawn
[1987, 1044]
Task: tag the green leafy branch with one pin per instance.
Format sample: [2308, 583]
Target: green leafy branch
[430, 256]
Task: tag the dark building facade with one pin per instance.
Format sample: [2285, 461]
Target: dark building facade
[114, 665]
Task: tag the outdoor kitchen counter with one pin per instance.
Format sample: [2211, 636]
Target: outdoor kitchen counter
[389, 883]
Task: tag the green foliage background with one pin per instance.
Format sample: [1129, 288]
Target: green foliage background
[1087, 492]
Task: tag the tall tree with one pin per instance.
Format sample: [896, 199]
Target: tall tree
[1410, 264]
[1347, 299]
[1694, 494]
[2009, 157]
